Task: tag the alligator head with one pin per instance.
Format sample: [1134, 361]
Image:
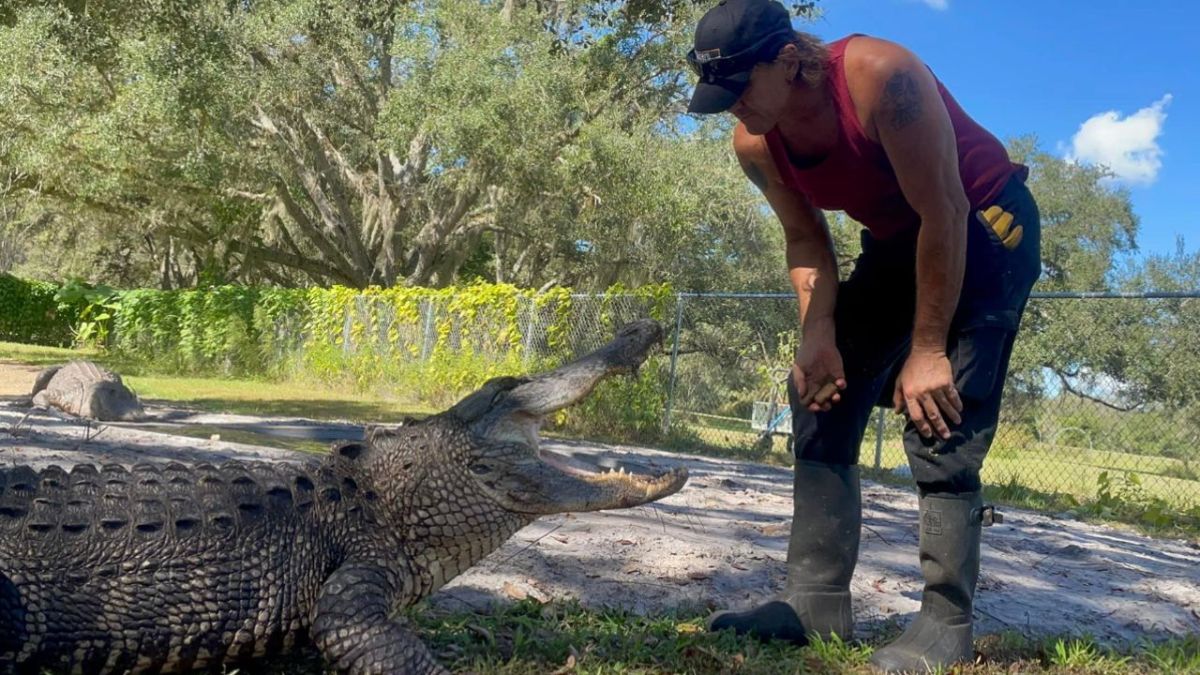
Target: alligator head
[488, 443]
[111, 401]
[510, 464]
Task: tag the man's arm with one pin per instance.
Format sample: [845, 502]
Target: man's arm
[906, 113]
[812, 266]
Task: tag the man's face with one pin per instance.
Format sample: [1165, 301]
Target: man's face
[762, 104]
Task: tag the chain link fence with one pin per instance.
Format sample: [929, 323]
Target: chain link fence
[1102, 397]
[373, 323]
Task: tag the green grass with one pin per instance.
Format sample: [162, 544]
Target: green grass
[262, 397]
[37, 355]
[1053, 469]
[1017, 472]
[242, 396]
[1065, 469]
[529, 637]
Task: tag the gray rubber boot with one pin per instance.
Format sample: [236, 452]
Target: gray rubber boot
[941, 634]
[822, 552]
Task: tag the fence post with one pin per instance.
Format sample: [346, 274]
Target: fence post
[530, 320]
[666, 424]
[427, 336]
[878, 436]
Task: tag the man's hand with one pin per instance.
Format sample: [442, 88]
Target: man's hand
[925, 390]
[818, 371]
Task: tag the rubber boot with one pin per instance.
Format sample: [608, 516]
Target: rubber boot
[941, 634]
[822, 552]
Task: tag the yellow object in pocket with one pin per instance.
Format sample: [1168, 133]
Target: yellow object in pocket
[1001, 222]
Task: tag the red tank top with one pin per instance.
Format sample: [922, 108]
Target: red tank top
[856, 176]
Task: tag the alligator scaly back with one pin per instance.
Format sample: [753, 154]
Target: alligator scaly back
[84, 389]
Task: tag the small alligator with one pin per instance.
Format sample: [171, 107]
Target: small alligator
[174, 568]
[84, 389]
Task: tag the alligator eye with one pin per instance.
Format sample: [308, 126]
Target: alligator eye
[479, 469]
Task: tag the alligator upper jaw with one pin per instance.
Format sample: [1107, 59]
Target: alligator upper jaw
[507, 413]
[508, 403]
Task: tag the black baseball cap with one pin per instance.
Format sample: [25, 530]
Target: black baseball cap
[731, 39]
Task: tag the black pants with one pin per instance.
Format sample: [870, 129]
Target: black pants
[874, 317]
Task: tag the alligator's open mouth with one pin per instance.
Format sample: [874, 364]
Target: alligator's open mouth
[506, 414]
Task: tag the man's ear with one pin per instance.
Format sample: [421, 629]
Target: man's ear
[789, 58]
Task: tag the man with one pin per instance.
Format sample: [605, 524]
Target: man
[925, 323]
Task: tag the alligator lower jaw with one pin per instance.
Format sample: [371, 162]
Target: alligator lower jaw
[637, 481]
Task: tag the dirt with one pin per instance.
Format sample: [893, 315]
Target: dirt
[16, 379]
[721, 541]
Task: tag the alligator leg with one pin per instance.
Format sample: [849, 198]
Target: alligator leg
[43, 379]
[353, 630]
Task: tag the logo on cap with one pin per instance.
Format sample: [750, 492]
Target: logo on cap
[707, 55]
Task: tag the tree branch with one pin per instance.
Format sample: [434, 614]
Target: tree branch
[310, 265]
[1066, 383]
[310, 230]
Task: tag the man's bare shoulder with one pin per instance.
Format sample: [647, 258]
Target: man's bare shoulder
[874, 58]
[874, 67]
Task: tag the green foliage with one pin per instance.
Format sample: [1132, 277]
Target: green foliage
[1082, 653]
[533, 637]
[1174, 656]
[1122, 496]
[420, 345]
[361, 144]
[91, 327]
[1119, 497]
[626, 409]
[224, 329]
[30, 312]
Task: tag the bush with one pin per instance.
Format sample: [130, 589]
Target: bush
[419, 345]
[29, 313]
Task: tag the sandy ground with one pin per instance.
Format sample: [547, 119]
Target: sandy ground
[16, 379]
[721, 542]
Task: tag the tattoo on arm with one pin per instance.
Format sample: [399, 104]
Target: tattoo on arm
[901, 99]
[755, 175]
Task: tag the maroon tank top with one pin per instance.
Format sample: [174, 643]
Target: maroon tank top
[856, 176]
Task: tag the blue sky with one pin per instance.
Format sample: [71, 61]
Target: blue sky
[1107, 80]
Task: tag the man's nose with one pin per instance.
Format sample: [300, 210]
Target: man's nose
[738, 108]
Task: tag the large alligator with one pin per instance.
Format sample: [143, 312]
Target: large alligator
[84, 389]
[174, 569]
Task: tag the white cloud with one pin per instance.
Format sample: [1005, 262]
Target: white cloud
[1128, 146]
[937, 4]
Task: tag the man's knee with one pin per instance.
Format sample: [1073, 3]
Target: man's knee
[833, 436]
[953, 465]
[946, 466]
[831, 440]
[980, 356]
